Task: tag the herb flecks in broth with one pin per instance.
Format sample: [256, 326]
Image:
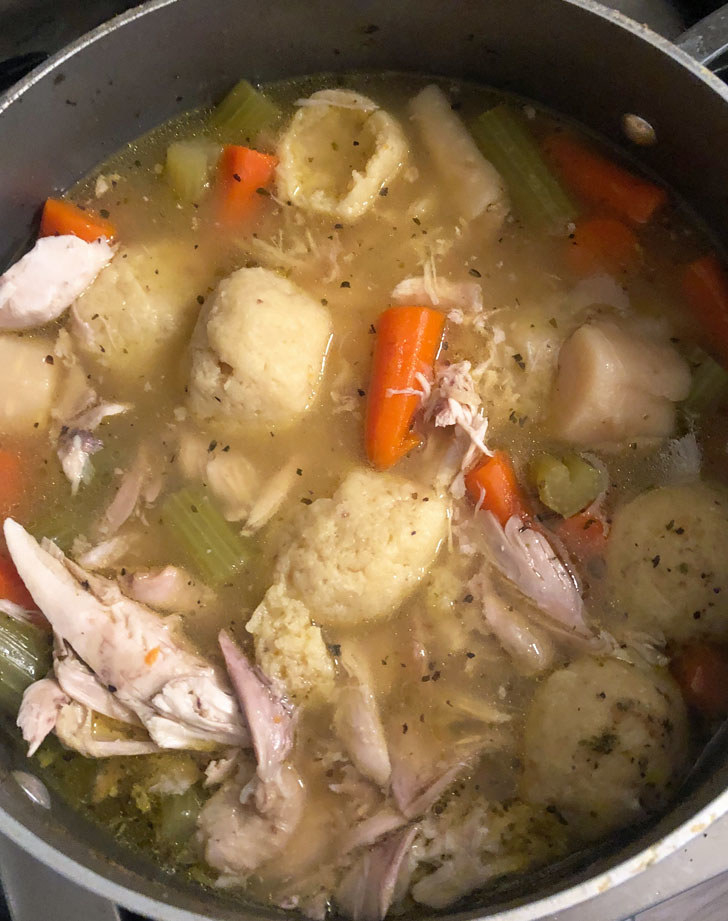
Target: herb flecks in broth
[378, 484]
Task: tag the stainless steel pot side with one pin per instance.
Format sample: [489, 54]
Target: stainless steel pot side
[159, 59]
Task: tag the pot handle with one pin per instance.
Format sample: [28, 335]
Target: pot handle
[707, 40]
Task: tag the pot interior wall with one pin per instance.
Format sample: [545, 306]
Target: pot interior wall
[176, 55]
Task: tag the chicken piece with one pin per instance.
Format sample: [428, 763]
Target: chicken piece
[615, 384]
[339, 150]
[359, 726]
[605, 742]
[41, 704]
[248, 822]
[75, 728]
[368, 888]
[372, 829]
[527, 559]
[271, 497]
[362, 552]
[76, 441]
[48, 279]
[269, 713]
[464, 297]
[228, 474]
[258, 351]
[141, 482]
[529, 646]
[473, 183]
[28, 384]
[79, 683]
[140, 311]
[180, 699]
[168, 589]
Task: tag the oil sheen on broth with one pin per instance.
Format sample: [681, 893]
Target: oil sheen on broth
[469, 662]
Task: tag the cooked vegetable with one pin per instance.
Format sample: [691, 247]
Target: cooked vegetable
[25, 657]
[64, 217]
[243, 175]
[244, 113]
[705, 288]
[566, 484]
[603, 244]
[602, 182]
[12, 587]
[584, 535]
[701, 670]
[709, 387]
[209, 543]
[616, 384]
[408, 341]
[494, 486]
[190, 166]
[472, 181]
[538, 197]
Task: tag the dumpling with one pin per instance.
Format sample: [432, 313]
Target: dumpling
[337, 154]
[667, 562]
[605, 742]
[258, 351]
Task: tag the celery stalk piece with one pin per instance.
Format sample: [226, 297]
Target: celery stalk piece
[243, 113]
[709, 387]
[210, 544]
[25, 656]
[566, 485]
[190, 166]
[537, 196]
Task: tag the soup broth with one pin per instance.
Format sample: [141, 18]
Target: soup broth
[433, 439]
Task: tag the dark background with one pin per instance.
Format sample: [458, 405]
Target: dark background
[41, 27]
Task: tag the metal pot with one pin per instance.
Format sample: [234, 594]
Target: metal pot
[157, 60]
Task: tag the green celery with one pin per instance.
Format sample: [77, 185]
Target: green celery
[208, 541]
[189, 167]
[538, 197]
[244, 113]
[566, 485]
[25, 657]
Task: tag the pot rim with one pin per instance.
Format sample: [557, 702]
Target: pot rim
[569, 897]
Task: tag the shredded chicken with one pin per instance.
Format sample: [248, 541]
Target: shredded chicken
[42, 702]
[169, 589]
[76, 730]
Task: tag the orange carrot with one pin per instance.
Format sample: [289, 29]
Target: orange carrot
[12, 587]
[63, 217]
[602, 182]
[705, 288]
[494, 486]
[12, 481]
[603, 244]
[583, 535]
[701, 671]
[241, 172]
[151, 657]
[408, 340]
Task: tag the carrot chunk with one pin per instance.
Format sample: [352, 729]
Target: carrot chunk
[705, 288]
[241, 172]
[603, 244]
[583, 535]
[12, 587]
[63, 217]
[12, 481]
[495, 487]
[701, 670]
[603, 183]
[408, 340]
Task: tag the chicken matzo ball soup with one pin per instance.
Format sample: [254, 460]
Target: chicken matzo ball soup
[363, 468]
